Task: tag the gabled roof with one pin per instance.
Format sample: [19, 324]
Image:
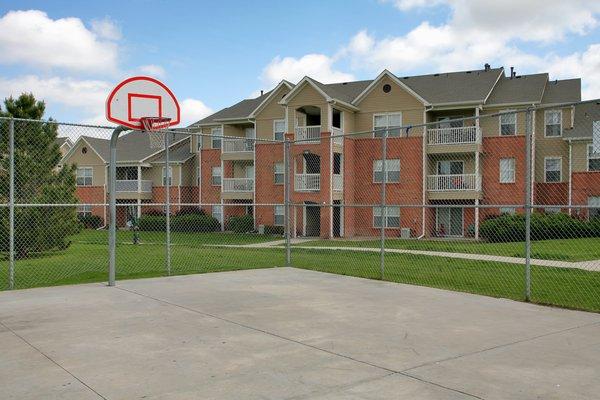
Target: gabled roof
[132, 147]
[394, 78]
[328, 91]
[562, 91]
[470, 87]
[269, 97]
[179, 153]
[585, 114]
[521, 89]
[60, 141]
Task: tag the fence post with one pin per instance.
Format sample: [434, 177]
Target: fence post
[286, 207]
[112, 184]
[168, 178]
[11, 203]
[383, 203]
[528, 203]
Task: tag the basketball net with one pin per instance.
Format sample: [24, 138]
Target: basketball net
[156, 128]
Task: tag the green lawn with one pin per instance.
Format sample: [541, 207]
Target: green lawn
[564, 249]
[87, 258]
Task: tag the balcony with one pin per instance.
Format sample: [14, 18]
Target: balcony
[459, 186]
[338, 182]
[309, 134]
[454, 139]
[237, 149]
[238, 188]
[128, 189]
[307, 182]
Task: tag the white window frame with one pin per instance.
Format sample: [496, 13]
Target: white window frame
[85, 176]
[279, 211]
[596, 156]
[389, 164]
[377, 212]
[217, 212]
[170, 176]
[387, 126]
[560, 123]
[508, 210]
[84, 210]
[276, 172]
[511, 170]
[514, 123]
[199, 143]
[213, 175]
[275, 122]
[214, 139]
[546, 170]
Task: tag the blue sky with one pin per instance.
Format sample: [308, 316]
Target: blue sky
[215, 53]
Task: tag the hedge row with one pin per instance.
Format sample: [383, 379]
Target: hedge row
[511, 228]
[180, 223]
[241, 224]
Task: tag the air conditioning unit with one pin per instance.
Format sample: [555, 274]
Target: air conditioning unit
[261, 229]
[405, 233]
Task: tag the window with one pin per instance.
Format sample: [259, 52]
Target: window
[84, 176]
[216, 176]
[279, 129]
[593, 159]
[508, 124]
[164, 181]
[507, 170]
[278, 215]
[199, 142]
[553, 124]
[84, 210]
[448, 167]
[392, 122]
[507, 210]
[391, 220]
[387, 88]
[392, 170]
[594, 202]
[217, 213]
[278, 173]
[553, 169]
[216, 139]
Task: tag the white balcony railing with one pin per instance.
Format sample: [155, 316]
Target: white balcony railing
[336, 138]
[132, 186]
[237, 145]
[457, 135]
[238, 185]
[438, 183]
[307, 182]
[338, 182]
[309, 133]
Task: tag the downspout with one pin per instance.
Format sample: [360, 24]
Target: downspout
[570, 177]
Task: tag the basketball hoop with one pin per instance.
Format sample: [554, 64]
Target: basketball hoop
[155, 127]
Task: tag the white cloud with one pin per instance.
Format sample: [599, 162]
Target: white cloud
[106, 28]
[153, 70]
[586, 64]
[193, 110]
[32, 38]
[406, 5]
[317, 66]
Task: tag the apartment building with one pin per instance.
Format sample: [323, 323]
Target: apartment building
[446, 165]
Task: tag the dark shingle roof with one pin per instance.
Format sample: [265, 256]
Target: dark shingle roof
[240, 110]
[585, 114]
[454, 87]
[133, 146]
[345, 91]
[563, 91]
[61, 140]
[179, 153]
[520, 89]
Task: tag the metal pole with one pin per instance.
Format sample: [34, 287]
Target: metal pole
[11, 203]
[112, 183]
[286, 207]
[383, 208]
[168, 206]
[528, 191]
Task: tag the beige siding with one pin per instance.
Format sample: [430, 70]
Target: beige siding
[155, 175]
[308, 96]
[89, 159]
[239, 169]
[580, 156]
[468, 162]
[490, 126]
[270, 112]
[188, 172]
[550, 146]
[349, 119]
[397, 100]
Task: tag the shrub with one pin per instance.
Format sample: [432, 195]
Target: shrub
[194, 223]
[274, 230]
[511, 228]
[91, 221]
[152, 223]
[190, 210]
[153, 212]
[241, 224]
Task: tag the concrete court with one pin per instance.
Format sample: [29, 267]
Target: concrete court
[289, 334]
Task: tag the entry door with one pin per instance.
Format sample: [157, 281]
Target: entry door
[449, 221]
[312, 219]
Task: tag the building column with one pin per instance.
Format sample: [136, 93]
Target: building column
[476, 219]
[139, 207]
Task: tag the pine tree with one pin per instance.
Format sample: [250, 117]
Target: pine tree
[38, 180]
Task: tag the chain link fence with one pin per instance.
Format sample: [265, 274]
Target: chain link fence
[496, 202]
